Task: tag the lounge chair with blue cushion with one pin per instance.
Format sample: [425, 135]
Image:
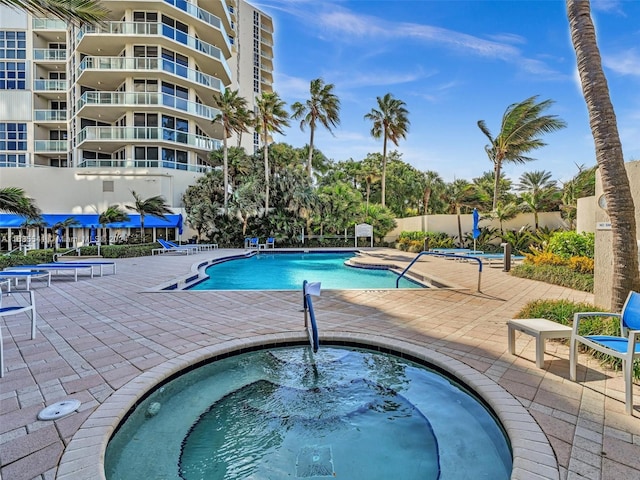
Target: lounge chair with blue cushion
[25, 305]
[190, 246]
[168, 248]
[623, 347]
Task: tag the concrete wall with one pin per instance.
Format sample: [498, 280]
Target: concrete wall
[449, 223]
[603, 271]
[586, 214]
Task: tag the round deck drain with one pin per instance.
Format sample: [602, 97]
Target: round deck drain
[59, 410]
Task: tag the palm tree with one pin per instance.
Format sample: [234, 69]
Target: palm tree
[234, 118]
[271, 118]
[609, 155]
[459, 194]
[503, 213]
[113, 214]
[15, 200]
[432, 183]
[75, 11]
[391, 123]
[323, 107]
[63, 225]
[522, 125]
[539, 190]
[154, 206]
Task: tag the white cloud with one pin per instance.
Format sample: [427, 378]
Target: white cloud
[624, 63]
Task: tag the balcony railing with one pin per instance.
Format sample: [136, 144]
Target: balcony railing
[155, 63]
[50, 115]
[57, 146]
[157, 28]
[147, 98]
[143, 163]
[201, 14]
[49, 54]
[48, 24]
[266, 41]
[147, 133]
[51, 85]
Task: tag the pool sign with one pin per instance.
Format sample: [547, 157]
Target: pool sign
[364, 230]
[603, 226]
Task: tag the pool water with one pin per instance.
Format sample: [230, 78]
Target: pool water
[287, 271]
[287, 413]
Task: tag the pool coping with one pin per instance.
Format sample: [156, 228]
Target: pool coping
[533, 457]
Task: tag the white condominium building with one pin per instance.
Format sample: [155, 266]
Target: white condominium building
[88, 114]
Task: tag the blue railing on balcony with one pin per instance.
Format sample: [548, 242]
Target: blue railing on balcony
[147, 98]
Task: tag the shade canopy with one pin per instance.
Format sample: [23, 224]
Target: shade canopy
[88, 220]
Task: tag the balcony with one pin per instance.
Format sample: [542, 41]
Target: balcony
[49, 55]
[143, 163]
[50, 115]
[215, 29]
[138, 99]
[91, 39]
[107, 72]
[92, 137]
[55, 147]
[51, 85]
[48, 24]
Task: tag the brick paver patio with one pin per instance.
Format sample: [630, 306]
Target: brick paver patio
[96, 335]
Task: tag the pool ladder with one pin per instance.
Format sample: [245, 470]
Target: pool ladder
[309, 314]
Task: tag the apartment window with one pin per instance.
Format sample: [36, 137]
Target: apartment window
[55, 105]
[13, 136]
[13, 75]
[145, 85]
[57, 75]
[175, 96]
[176, 159]
[57, 135]
[175, 63]
[150, 17]
[57, 46]
[175, 129]
[13, 160]
[145, 119]
[146, 156]
[145, 51]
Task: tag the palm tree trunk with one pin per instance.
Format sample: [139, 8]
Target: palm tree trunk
[460, 244]
[496, 182]
[384, 168]
[225, 173]
[309, 165]
[141, 228]
[609, 156]
[425, 200]
[266, 175]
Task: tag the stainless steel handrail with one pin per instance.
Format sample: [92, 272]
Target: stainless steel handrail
[436, 254]
[310, 314]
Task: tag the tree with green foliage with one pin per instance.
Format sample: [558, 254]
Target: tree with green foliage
[234, 118]
[78, 12]
[583, 184]
[609, 154]
[539, 193]
[520, 131]
[15, 200]
[113, 214]
[271, 117]
[339, 209]
[459, 195]
[58, 228]
[323, 107]
[155, 206]
[433, 186]
[391, 122]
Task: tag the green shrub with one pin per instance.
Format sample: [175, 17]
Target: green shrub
[556, 275]
[572, 244]
[562, 311]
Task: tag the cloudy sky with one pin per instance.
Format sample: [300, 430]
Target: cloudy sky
[454, 62]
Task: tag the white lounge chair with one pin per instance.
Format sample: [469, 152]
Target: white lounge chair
[623, 347]
[19, 307]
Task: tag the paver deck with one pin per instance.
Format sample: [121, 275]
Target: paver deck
[96, 335]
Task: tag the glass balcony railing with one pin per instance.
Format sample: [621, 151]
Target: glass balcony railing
[57, 146]
[50, 115]
[148, 28]
[143, 163]
[48, 24]
[49, 54]
[51, 85]
[197, 12]
[147, 133]
[157, 64]
[266, 41]
[147, 98]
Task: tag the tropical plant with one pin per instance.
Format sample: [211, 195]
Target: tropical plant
[520, 131]
[322, 108]
[433, 184]
[609, 155]
[112, 214]
[503, 213]
[583, 184]
[155, 206]
[340, 207]
[58, 227]
[390, 121]
[15, 200]
[458, 195]
[270, 118]
[485, 188]
[246, 202]
[234, 118]
[74, 11]
[380, 218]
[540, 193]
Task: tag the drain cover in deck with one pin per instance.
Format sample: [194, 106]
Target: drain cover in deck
[59, 410]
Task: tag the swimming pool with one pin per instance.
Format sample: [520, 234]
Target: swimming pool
[287, 271]
[283, 413]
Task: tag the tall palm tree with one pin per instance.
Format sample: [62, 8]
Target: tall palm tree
[113, 214]
[234, 118]
[154, 206]
[74, 11]
[520, 131]
[433, 183]
[609, 156]
[538, 192]
[323, 107]
[391, 122]
[270, 118]
[15, 200]
[458, 195]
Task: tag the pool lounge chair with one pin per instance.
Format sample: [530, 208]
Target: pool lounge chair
[17, 308]
[97, 264]
[167, 248]
[194, 247]
[26, 275]
[55, 268]
[623, 346]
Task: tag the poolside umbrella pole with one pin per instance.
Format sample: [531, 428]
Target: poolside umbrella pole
[476, 229]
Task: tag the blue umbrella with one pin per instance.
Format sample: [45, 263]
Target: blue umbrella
[92, 235]
[476, 229]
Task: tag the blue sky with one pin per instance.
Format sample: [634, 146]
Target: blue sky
[453, 63]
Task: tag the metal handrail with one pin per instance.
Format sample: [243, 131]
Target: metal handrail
[58, 255]
[436, 254]
[310, 314]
